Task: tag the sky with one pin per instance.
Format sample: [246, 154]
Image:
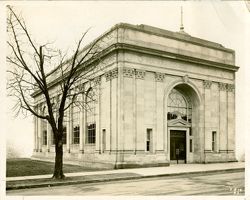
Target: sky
[63, 23]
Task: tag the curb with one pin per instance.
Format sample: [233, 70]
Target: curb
[41, 185]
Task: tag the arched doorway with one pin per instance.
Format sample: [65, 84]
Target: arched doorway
[182, 113]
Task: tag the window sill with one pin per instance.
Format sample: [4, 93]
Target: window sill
[149, 152]
[89, 144]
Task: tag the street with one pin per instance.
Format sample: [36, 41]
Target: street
[195, 184]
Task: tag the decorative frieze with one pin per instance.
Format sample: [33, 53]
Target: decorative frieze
[128, 72]
[159, 77]
[222, 86]
[230, 87]
[139, 74]
[207, 84]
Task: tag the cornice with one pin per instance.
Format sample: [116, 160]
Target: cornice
[179, 57]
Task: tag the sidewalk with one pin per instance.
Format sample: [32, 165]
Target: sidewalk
[121, 174]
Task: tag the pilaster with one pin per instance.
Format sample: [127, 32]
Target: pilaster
[112, 116]
[159, 135]
[223, 117]
[129, 109]
[207, 119]
[231, 117]
[39, 133]
[98, 114]
[48, 136]
[82, 125]
[139, 100]
[35, 133]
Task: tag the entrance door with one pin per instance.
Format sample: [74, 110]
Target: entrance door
[178, 145]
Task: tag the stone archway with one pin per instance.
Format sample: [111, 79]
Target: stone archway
[184, 120]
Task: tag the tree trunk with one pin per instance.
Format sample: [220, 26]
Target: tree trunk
[58, 170]
[58, 134]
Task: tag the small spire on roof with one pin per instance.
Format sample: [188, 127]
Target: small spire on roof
[182, 26]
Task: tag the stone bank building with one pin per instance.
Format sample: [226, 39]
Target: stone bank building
[160, 96]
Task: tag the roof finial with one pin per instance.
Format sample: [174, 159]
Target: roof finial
[181, 27]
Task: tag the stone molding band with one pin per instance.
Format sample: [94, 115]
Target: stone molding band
[159, 77]
[131, 73]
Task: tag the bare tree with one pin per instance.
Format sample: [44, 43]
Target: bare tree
[29, 64]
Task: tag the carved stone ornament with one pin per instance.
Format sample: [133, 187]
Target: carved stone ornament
[111, 74]
[97, 80]
[114, 73]
[230, 87]
[128, 72]
[222, 86]
[159, 77]
[207, 84]
[139, 74]
[108, 76]
[185, 78]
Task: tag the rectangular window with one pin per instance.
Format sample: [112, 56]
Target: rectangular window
[44, 137]
[214, 141]
[91, 129]
[76, 121]
[103, 140]
[190, 145]
[149, 144]
[44, 132]
[64, 137]
[76, 134]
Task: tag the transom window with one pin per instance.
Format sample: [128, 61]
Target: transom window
[179, 106]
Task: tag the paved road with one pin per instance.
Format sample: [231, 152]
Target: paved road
[214, 184]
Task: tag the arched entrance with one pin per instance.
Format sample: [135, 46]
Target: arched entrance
[182, 111]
